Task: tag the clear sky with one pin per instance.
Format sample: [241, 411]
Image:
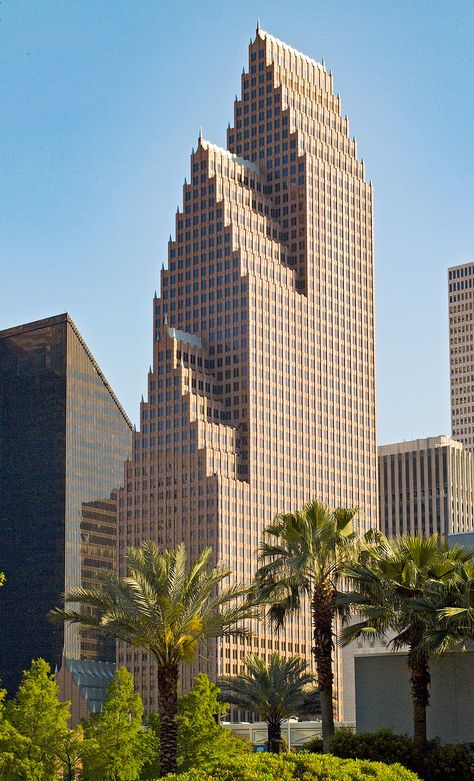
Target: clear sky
[101, 103]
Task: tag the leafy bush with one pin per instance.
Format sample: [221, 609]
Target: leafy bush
[436, 763]
[453, 762]
[382, 746]
[304, 767]
[314, 745]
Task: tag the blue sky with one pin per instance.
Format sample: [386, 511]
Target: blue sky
[102, 102]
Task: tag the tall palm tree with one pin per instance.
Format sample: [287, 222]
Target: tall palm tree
[304, 558]
[400, 588]
[275, 692]
[167, 608]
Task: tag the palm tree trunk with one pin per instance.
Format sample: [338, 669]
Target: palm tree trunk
[322, 611]
[420, 681]
[274, 737]
[168, 707]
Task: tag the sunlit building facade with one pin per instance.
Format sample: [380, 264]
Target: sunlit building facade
[426, 486]
[262, 391]
[63, 441]
[461, 352]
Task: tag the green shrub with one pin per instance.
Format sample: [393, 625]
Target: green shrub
[436, 763]
[383, 746]
[314, 745]
[300, 767]
[447, 763]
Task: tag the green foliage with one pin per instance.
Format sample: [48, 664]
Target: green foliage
[201, 739]
[152, 769]
[14, 761]
[314, 745]
[274, 691]
[304, 767]
[166, 604]
[405, 585]
[33, 728]
[435, 763]
[116, 747]
[453, 762]
[301, 560]
[409, 586]
[305, 549]
[382, 746]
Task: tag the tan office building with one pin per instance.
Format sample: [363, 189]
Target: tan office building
[461, 352]
[262, 390]
[426, 486]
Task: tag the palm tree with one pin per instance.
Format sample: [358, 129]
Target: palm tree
[456, 618]
[167, 610]
[402, 587]
[305, 558]
[275, 692]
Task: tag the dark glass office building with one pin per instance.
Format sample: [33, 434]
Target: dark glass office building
[63, 441]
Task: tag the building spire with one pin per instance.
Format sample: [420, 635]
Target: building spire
[258, 26]
[200, 136]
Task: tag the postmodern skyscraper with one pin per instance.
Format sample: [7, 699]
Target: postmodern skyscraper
[426, 486]
[262, 392]
[63, 441]
[461, 352]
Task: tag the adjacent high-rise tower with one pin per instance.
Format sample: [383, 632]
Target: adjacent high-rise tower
[63, 440]
[262, 390]
[461, 351]
[426, 486]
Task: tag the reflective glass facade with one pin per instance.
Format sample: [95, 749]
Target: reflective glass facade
[63, 440]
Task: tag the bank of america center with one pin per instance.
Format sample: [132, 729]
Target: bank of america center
[262, 391]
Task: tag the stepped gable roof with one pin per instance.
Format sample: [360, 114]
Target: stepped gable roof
[281, 44]
[225, 153]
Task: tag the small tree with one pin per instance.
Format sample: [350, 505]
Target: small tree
[117, 747]
[201, 739]
[70, 752]
[37, 723]
[15, 762]
[275, 692]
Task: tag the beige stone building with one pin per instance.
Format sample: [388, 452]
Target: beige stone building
[262, 391]
[426, 486]
[461, 352]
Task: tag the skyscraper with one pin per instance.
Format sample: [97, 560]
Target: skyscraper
[461, 352]
[63, 441]
[426, 486]
[262, 391]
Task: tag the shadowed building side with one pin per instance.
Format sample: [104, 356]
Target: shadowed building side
[63, 441]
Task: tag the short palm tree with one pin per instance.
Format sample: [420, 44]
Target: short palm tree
[275, 692]
[456, 617]
[167, 608]
[304, 557]
[401, 588]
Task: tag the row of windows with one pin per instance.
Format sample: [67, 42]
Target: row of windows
[461, 285]
[457, 273]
